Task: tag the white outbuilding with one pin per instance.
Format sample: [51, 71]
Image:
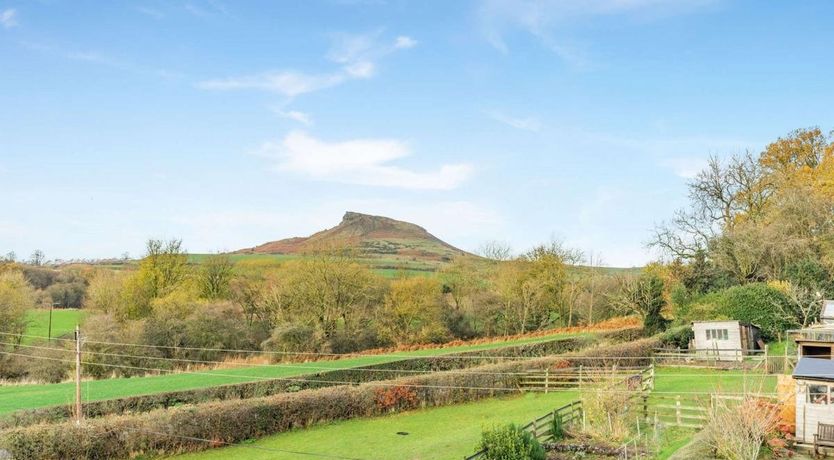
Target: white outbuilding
[727, 340]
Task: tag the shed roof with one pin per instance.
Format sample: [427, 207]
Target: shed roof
[827, 309]
[742, 323]
[814, 368]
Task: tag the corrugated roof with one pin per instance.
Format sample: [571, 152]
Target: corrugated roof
[827, 309]
[814, 368]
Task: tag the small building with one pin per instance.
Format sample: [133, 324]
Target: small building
[814, 342]
[814, 396]
[724, 340]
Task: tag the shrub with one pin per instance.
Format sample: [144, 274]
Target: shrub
[557, 429]
[678, 337]
[49, 366]
[395, 398]
[510, 443]
[759, 304]
[736, 431]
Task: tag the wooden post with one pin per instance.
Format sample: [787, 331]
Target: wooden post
[580, 376]
[766, 360]
[546, 379]
[786, 358]
[646, 408]
[678, 409]
[78, 413]
[651, 371]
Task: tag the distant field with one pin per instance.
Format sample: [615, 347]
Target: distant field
[16, 397]
[390, 266]
[432, 434]
[63, 322]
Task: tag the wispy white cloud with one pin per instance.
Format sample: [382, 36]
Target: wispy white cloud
[527, 124]
[355, 54]
[287, 82]
[95, 57]
[548, 20]
[8, 18]
[404, 41]
[295, 115]
[685, 167]
[358, 161]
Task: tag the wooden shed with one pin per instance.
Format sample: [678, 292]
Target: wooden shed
[814, 396]
[725, 340]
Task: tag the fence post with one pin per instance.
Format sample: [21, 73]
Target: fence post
[646, 408]
[652, 376]
[785, 370]
[678, 409]
[546, 379]
[767, 360]
[580, 376]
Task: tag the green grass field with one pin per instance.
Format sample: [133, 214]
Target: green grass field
[63, 322]
[433, 434]
[685, 380]
[454, 431]
[16, 397]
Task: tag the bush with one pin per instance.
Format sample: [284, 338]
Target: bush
[759, 304]
[510, 443]
[50, 366]
[678, 337]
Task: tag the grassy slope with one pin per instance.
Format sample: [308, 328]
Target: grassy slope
[436, 433]
[63, 322]
[15, 397]
[453, 432]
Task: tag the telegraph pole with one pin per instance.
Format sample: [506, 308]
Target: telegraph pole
[78, 413]
[51, 306]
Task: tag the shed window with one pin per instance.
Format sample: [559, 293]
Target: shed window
[819, 394]
[717, 334]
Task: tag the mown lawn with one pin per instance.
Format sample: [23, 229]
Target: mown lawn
[16, 397]
[686, 381]
[63, 322]
[450, 432]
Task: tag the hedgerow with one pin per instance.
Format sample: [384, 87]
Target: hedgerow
[247, 390]
[184, 428]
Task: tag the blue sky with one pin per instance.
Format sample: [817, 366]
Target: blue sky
[228, 124]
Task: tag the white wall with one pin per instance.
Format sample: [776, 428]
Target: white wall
[726, 347]
[809, 415]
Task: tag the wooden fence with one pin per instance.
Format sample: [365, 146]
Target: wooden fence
[728, 358]
[688, 411]
[542, 427]
[637, 378]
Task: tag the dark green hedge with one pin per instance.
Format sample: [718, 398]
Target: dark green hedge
[759, 304]
[233, 421]
[247, 390]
